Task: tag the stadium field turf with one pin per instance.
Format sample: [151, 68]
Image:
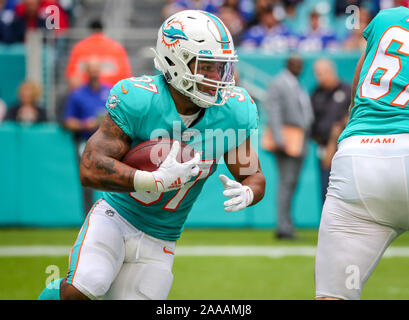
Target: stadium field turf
[281, 269]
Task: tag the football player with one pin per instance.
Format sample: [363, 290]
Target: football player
[126, 247]
[367, 202]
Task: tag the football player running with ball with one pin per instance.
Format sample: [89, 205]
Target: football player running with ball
[126, 247]
[367, 203]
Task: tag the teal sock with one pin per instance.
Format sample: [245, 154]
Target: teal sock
[52, 291]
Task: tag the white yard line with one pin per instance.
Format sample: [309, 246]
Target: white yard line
[189, 251]
[241, 251]
[34, 251]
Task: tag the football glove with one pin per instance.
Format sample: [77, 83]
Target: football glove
[172, 174]
[240, 196]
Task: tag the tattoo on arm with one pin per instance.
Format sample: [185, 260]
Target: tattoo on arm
[101, 167]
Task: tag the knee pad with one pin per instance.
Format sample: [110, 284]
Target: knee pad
[95, 286]
[155, 282]
[141, 281]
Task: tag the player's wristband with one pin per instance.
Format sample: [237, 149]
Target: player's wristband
[249, 195]
[144, 181]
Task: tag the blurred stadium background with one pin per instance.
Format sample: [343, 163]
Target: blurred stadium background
[225, 256]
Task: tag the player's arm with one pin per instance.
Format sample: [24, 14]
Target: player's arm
[249, 185]
[356, 79]
[101, 168]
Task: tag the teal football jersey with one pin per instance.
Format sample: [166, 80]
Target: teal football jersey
[380, 104]
[144, 109]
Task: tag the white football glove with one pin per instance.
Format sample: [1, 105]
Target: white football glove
[172, 174]
[240, 196]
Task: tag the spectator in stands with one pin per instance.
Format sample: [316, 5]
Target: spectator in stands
[259, 7]
[84, 111]
[11, 4]
[290, 116]
[245, 8]
[317, 38]
[173, 6]
[2, 23]
[290, 6]
[33, 14]
[269, 34]
[6, 17]
[86, 105]
[112, 56]
[355, 40]
[27, 111]
[330, 102]
[230, 15]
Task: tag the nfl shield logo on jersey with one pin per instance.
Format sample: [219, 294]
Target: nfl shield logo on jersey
[109, 212]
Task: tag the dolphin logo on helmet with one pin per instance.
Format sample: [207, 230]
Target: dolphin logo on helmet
[172, 33]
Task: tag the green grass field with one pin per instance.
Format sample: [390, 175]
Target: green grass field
[206, 277]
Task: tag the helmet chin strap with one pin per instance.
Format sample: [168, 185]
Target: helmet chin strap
[201, 101]
[198, 100]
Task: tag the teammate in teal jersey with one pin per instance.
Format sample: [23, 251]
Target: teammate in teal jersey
[367, 202]
[126, 247]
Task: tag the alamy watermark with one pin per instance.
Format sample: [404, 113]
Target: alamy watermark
[228, 145]
[52, 20]
[54, 274]
[352, 21]
[352, 282]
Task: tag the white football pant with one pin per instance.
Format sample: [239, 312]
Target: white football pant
[111, 259]
[366, 208]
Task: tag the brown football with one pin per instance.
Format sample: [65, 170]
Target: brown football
[149, 155]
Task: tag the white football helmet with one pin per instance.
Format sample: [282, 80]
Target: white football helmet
[197, 36]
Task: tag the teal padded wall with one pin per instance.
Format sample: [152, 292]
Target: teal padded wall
[39, 182]
[13, 71]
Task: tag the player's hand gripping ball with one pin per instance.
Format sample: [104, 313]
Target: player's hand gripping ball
[149, 155]
[172, 163]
